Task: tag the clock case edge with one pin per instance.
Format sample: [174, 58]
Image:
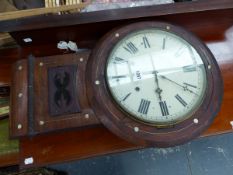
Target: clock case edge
[108, 112]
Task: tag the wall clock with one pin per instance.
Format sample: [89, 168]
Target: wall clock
[154, 84]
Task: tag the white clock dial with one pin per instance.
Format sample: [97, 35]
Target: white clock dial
[156, 76]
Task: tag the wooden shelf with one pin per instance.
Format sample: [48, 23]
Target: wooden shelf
[48, 21]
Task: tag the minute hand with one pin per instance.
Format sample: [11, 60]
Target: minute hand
[184, 87]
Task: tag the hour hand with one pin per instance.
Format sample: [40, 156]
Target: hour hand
[158, 90]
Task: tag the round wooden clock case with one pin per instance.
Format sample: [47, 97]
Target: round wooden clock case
[151, 124]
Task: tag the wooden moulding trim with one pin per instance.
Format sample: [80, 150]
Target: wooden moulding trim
[39, 22]
[39, 11]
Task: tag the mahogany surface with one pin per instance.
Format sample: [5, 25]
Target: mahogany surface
[9, 159]
[71, 145]
[214, 27]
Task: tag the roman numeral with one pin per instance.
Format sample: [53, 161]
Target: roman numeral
[144, 106]
[118, 60]
[163, 107]
[117, 77]
[127, 96]
[181, 100]
[187, 84]
[131, 48]
[146, 42]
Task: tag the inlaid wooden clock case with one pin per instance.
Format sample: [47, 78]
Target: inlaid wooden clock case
[211, 21]
[122, 123]
[39, 107]
[34, 111]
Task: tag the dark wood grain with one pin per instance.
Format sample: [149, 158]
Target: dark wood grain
[71, 145]
[41, 119]
[193, 21]
[41, 94]
[10, 56]
[62, 90]
[9, 159]
[19, 101]
[49, 21]
[214, 27]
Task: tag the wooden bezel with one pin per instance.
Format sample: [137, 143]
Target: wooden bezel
[120, 122]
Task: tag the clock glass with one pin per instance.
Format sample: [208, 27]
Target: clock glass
[156, 77]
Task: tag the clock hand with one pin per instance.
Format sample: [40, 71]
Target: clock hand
[185, 88]
[188, 68]
[158, 90]
[162, 104]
